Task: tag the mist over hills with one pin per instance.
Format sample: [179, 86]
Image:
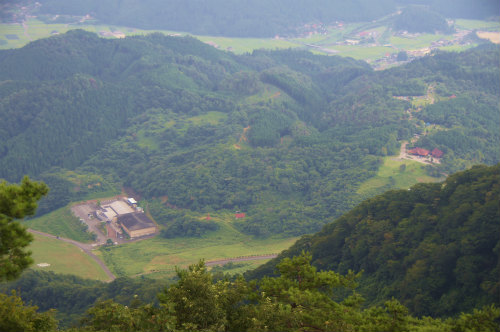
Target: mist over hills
[260, 18]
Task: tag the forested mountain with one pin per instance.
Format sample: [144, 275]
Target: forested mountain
[435, 247]
[419, 19]
[258, 18]
[286, 136]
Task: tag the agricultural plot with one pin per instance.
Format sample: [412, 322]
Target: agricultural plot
[364, 52]
[393, 175]
[325, 43]
[493, 37]
[54, 255]
[413, 43]
[158, 257]
[477, 25]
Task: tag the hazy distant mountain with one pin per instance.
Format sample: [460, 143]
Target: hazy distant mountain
[253, 18]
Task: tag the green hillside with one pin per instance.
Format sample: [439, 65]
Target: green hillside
[434, 247]
[288, 137]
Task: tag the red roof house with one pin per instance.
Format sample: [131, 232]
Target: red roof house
[239, 215]
[419, 152]
[436, 153]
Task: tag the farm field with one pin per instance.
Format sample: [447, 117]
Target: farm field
[64, 258]
[477, 25]
[158, 257]
[389, 175]
[14, 36]
[414, 43]
[493, 37]
[364, 52]
[62, 223]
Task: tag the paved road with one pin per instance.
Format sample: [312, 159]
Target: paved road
[87, 248]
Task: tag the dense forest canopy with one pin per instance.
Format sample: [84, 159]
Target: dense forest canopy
[435, 247]
[419, 19]
[286, 136]
[258, 18]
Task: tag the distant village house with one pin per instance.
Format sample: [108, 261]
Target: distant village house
[419, 152]
[436, 153]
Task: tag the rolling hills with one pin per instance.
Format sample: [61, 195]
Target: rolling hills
[287, 136]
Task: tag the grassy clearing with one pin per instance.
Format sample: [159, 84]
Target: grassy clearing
[360, 52]
[212, 117]
[159, 257]
[417, 42]
[145, 141]
[64, 258]
[389, 176]
[12, 36]
[60, 222]
[477, 25]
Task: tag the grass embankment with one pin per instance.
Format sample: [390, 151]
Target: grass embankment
[391, 176]
[62, 223]
[158, 257]
[64, 258]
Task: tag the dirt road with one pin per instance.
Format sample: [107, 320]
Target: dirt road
[240, 259]
[87, 248]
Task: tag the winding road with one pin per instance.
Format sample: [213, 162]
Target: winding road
[87, 248]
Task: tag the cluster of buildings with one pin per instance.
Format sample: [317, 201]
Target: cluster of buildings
[125, 216]
[420, 152]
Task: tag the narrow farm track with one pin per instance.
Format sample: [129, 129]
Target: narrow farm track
[240, 259]
[87, 248]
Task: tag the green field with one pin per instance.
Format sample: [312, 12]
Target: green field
[413, 43]
[212, 117]
[64, 258]
[361, 52]
[389, 176]
[62, 223]
[158, 257]
[37, 29]
[478, 25]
